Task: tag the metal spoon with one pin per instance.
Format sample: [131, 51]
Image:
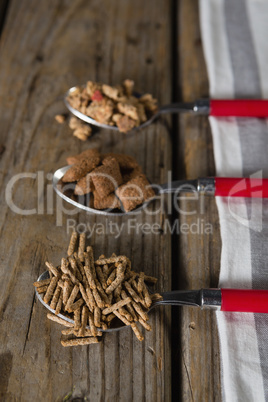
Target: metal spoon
[232, 300]
[218, 186]
[213, 107]
[204, 298]
[198, 107]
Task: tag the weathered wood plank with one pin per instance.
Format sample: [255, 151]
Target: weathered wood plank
[46, 50]
[3, 13]
[199, 250]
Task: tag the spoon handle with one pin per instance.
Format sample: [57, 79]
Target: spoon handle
[239, 107]
[241, 187]
[220, 186]
[235, 300]
[245, 300]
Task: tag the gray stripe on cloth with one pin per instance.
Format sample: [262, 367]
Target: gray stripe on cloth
[254, 153]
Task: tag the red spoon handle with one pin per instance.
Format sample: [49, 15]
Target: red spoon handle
[247, 301]
[241, 187]
[239, 107]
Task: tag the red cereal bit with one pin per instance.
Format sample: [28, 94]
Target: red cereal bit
[97, 96]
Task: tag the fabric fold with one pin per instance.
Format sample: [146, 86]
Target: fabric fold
[236, 55]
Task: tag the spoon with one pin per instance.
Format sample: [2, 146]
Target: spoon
[217, 186]
[228, 300]
[213, 107]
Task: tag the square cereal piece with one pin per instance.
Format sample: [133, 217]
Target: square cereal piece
[126, 162]
[89, 153]
[84, 185]
[107, 178]
[108, 202]
[129, 174]
[135, 192]
[80, 169]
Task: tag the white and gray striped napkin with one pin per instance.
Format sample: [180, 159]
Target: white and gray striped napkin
[235, 40]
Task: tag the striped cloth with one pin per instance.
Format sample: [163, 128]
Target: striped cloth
[235, 40]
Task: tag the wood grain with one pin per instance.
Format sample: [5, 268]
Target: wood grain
[44, 51]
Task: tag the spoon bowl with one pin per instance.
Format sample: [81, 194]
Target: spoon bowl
[116, 323]
[94, 122]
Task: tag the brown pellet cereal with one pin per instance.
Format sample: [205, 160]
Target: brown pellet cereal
[111, 277]
[97, 317]
[42, 289]
[90, 297]
[72, 297]
[59, 320]
[76, 270]
[118, 280]
[122, 318]
[94, 293]
[101, 276]
[50, 290]
[92, 324]
[116, 306]
[140, 310]
[145, 324]
[137, 331]
[66, 290]
[53, 269]
[102, 293]
[79, 341]
[65, 268]
[77, 319]
[59, 304]
[90, 277]
[84, 319]
[140, 282]
[55, 297]
[72, 243]
[111, 260]
[132, 292]
[100, 303]
[85, 296]
[42, 283]
[82, 246]
[76, 305]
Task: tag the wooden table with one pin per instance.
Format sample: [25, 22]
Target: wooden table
[47, 47]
